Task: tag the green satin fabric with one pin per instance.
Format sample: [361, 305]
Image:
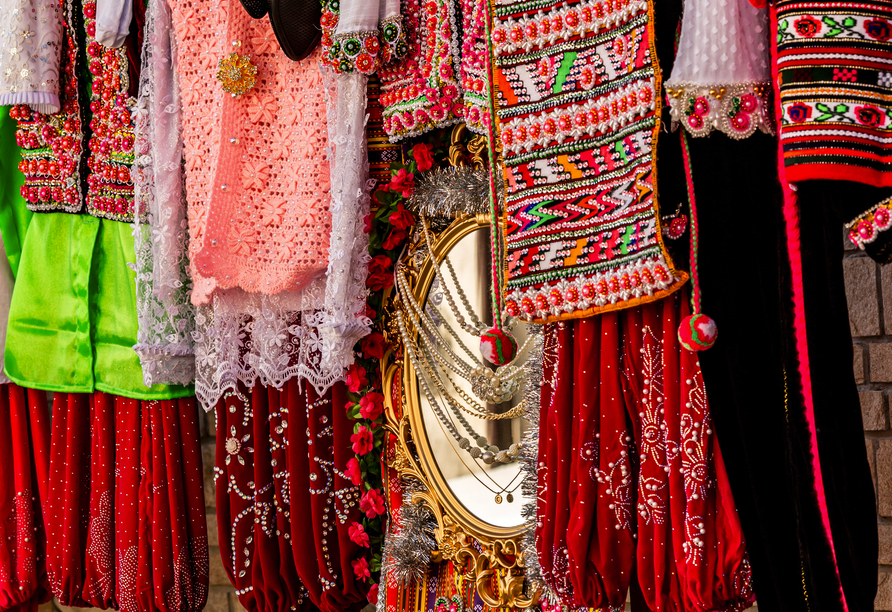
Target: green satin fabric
[14, 216]
[72, 321]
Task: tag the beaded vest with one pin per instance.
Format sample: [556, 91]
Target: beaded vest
[53, 146]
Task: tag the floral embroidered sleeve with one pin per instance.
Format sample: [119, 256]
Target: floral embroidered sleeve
[835, 88]
[362, 35]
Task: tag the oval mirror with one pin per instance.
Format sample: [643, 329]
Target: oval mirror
[487, 496]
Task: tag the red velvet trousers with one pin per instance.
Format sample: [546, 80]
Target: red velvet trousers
[284, 503]
[24, 454]
[631, 484]
[125, 513]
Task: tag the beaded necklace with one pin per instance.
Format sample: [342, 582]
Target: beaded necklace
[432, 358]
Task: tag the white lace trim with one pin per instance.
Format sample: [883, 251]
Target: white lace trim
[343, 319]
[164, 313]
[247, 338]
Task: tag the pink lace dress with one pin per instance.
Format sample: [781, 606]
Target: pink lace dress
[259, 193]
[257, 173]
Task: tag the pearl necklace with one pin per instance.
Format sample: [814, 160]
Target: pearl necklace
[432, 357]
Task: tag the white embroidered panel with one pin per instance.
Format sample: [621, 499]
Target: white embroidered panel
[30, 36]
[722, 69]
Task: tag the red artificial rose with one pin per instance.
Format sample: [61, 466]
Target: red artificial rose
[379, 263]
[372, 503]
[368, 224]
[422, 154]
[373, 595]
[353, 472]
[402, 218]
[371, 405]
[370, 312]
[361, 569]
[380, 277]
[358, 535]
[356, 378]
[394, 239]
[403, 183]
[373, 346]
[362, 440]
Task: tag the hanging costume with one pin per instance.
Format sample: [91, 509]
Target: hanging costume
[801, 479]
[128, 530]
[25, 426]
[124, 456]
[274, 202]
[578, 121]
[636, 490]
[284, 502]
[260, 210]
[635, 481]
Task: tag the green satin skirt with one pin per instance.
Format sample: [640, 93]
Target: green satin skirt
[72, 321]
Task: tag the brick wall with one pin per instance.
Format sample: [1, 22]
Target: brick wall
[869, 293]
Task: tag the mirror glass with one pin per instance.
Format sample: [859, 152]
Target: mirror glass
[474, 483]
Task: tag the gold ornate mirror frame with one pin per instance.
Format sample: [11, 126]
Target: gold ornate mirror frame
[497, 567]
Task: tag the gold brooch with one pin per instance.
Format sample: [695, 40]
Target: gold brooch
[236, 73]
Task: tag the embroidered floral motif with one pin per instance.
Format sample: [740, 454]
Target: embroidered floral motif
[618, 478]
[233, 168]
[869, 225]
[737, 110]
[694, 450]
[29, 61]
[367, 51]
[834, 83]
[652, 491]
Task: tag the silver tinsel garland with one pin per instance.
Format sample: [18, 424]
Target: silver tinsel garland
[409, 545]
[450, 191]
[529, 464]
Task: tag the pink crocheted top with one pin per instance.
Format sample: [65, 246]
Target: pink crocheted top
[257, 175]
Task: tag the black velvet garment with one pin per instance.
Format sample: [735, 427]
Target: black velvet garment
[752, 380]
[752, 373]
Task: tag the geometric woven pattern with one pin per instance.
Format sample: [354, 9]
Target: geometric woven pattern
[578, 116]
